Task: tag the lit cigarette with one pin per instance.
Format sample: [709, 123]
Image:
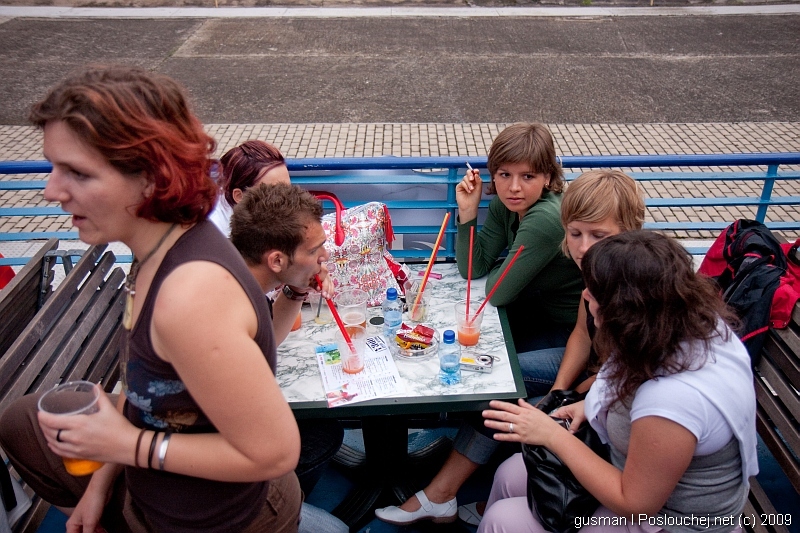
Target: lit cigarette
[469, 166]
[434, 275]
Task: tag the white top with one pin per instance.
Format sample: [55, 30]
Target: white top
[714, 402]
[221, 215]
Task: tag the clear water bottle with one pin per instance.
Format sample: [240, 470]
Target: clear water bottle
[392, 313]
[449, 359]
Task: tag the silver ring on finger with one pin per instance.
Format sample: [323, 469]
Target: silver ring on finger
[511, 427]
[58, 435]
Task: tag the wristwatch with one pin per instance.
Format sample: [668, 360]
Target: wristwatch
[293, 295]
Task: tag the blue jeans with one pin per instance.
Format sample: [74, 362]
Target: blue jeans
[539, 369]
[316, 520]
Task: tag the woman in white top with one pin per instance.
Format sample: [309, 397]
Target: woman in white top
[251, 163]
[674, 399]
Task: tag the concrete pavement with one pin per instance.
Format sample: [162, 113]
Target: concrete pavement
[351, 81]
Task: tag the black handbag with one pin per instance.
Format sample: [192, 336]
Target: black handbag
[559, 497]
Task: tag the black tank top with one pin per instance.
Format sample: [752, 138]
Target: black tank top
[157, 399]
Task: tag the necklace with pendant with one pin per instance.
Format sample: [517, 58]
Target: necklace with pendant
[130, 280]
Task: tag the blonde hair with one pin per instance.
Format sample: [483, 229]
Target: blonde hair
[599, 194]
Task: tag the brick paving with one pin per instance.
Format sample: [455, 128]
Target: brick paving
[474, 139]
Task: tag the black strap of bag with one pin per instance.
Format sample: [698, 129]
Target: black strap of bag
[7, 490]
[559, 497]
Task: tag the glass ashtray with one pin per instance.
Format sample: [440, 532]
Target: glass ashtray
[404, 354]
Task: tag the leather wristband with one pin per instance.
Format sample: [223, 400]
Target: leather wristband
[152, 450]
[294, 295]
[138, 447]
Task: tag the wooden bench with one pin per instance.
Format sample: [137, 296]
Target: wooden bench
[777, 382]
[74, 335]
[25, 294]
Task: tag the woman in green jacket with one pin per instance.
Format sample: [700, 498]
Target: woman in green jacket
[542, 289]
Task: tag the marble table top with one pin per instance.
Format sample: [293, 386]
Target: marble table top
[298, 374]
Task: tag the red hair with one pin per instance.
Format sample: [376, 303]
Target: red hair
[242, 166]
[141, 123]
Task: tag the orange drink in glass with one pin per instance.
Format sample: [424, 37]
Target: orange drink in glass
[352, 361]
[469, 328]
[468, 336]
[80, 467]
[298, 322]
[73, 398]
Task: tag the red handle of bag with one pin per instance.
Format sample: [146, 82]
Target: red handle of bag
[388, 229]
[338, 238]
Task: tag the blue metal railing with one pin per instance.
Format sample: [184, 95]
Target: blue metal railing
[419, 190]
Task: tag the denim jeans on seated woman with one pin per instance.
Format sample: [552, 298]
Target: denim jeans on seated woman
[316, 520]
[539, 369]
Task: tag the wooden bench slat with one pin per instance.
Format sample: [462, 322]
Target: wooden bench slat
[787, 397]
[757, 504]
[106, 368]
[31, 270]
[782, 345]
[752, 510]
[24, 293]
[777, 447]
[19, 300]
[75, 335]
[68, 353]
[107, 314]
[54, 337]
[47, 315]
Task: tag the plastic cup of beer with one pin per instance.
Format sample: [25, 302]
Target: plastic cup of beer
[468, 330]
[352, 361]
[352, 306]
[420, 312]
[324, 316]
[71, 399]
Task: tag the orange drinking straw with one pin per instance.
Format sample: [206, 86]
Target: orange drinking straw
[497, 284]
[469, 265]
[338, 319]
[430, 264]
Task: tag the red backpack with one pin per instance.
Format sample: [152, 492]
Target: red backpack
[747, 263]
[788, 292]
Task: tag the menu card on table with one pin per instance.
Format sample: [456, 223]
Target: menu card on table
[378, 379]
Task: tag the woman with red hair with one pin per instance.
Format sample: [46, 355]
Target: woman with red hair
[251, 163]
[131, 163]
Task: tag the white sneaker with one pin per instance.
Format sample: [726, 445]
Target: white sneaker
[439, 513]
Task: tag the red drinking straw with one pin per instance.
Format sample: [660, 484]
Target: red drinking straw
[469, 266]
[430, 264]
[497, 284]
[338, 319]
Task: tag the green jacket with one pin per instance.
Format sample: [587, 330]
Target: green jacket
[542, 268]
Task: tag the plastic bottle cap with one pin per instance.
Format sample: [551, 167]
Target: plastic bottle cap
[391, 293]
[449, 336]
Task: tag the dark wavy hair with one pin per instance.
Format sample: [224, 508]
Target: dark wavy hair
[141, 123]
[652, 307]
[526, 142]
[242, 165]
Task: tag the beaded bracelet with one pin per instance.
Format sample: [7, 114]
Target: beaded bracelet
[138, 447]
[162, 450]
[152, 450]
